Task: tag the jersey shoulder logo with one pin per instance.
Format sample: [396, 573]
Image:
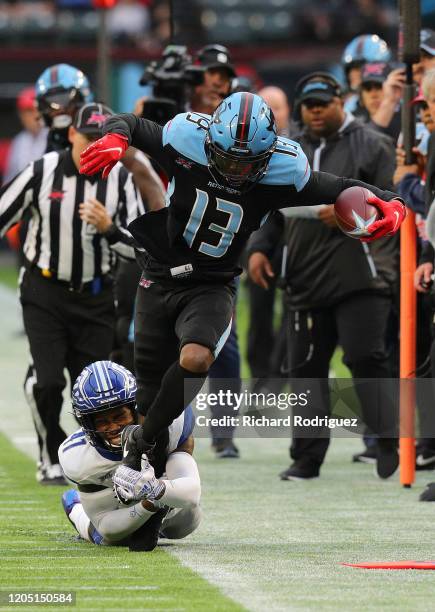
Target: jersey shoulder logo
[182, 161]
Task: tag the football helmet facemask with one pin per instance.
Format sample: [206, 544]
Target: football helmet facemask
[102, 386]
[240, 139]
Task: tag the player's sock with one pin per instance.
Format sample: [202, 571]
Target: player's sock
[81, 521]
[171, 399]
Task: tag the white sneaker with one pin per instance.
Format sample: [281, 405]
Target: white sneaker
[41, 470]
[53, 476]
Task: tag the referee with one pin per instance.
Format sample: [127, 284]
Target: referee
[77, 228]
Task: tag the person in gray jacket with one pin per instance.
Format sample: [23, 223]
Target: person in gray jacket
[339, 291]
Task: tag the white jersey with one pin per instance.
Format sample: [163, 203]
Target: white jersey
[103, 520]
[92, 468]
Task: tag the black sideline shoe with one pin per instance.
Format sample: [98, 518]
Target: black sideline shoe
[227, 450]
[429, 493]
[387, 460]
[425, 460]
[300, 472]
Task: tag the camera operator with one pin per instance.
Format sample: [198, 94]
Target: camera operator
[218, 75]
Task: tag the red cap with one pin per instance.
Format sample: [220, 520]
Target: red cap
[26, 99]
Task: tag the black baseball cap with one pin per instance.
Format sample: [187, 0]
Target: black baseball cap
[91, 117]
[216, 56]
[427, 41]
[317, 89]
[376, 72]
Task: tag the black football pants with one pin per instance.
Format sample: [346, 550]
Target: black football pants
[358, 325]
[168, 316]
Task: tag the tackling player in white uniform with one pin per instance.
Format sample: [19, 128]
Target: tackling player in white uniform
[104, 403]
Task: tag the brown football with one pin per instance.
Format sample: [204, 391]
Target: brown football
[354, 215]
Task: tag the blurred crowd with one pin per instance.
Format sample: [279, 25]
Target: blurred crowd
[329, 290]
[145, 23]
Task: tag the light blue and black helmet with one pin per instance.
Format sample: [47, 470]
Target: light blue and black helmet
[101, 386]
[367, 48]
[240, 139]
[62, 88]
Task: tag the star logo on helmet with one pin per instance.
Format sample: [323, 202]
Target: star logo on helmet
[362, 225]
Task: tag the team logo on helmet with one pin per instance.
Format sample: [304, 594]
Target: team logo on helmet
[101, 386]
[240, 140]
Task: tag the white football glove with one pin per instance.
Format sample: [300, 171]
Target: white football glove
[131, 485]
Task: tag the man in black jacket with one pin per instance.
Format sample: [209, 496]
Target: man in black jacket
[339, 290]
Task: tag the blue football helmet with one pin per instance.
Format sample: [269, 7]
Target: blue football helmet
[240, 139]
[101, 386]
[61, 88]
[367, 48]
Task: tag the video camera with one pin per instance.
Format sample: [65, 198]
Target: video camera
[172, 77]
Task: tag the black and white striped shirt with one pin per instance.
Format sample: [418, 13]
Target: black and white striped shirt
[57, 239]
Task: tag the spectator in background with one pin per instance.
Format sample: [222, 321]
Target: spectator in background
[129, 21]
[339, 290]
[417, 181]
[277, 100]
[423, 278]
[370, 89]
[380, 95]
[360, 50]
[427, 55]
[218, 75]
[30, 143]
[387, 118]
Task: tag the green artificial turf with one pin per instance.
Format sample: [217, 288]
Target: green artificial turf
[8, 275]
[266, 544]
[40, 551]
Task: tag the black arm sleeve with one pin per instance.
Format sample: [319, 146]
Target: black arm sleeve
[142, 134]
[427, 254]
[324, 188]
[267, 237]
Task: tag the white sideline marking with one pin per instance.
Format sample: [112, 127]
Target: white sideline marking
[5, 587]
[99, 567]
[27, 439]
[22, 501]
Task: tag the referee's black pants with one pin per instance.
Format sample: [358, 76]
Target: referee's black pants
[65, 329]
[358, 323]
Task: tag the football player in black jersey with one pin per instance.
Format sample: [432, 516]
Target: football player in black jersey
[227, 173]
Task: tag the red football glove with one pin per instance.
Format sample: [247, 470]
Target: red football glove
[103, 154]
[393, 213]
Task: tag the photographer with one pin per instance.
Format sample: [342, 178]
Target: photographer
[218, 75]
